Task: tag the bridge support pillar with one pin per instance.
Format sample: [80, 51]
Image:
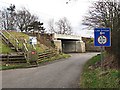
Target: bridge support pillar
[58, 44]
[82, 46]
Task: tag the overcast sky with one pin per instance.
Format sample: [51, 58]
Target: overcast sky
[75, 10]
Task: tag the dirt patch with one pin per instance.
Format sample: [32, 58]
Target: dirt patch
[109, 62]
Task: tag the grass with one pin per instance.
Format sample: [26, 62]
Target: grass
[93, 78]
[20, 36]
[5, 49]
[10, 66]
[92, 61]
[57, 57]
[15, 66]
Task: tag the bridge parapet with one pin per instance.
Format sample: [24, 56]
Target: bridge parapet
[63, 36]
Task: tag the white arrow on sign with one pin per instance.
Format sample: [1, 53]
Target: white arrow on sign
[102, 39]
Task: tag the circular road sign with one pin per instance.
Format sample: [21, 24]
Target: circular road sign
[102, 39]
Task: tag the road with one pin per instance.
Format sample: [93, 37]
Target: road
[64, 73]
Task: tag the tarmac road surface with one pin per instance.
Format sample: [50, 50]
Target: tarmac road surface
[64, 73]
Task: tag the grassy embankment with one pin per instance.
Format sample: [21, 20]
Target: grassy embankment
[40, 48]
[98, 78]
[20, 37]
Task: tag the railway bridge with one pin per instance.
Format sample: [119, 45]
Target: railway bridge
[69, 43]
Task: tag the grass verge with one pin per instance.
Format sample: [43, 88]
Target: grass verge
[16, 66]
[98, 78]
[57, 57]
[13, 66]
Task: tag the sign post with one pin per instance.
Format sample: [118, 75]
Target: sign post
[102, 39]
[33, 55]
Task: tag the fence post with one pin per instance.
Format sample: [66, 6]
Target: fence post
[7, 58]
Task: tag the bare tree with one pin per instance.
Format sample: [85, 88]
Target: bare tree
[51, 26]
[23, 18]
[5, 19]
[106, 14]
[64, 26]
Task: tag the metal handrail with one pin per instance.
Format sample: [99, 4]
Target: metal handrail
[15, 41]
[26, 49]
[11, 36]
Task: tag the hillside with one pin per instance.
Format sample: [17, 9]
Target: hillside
[21, 37]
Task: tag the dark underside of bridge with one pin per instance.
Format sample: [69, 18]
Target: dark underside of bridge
[70, 46]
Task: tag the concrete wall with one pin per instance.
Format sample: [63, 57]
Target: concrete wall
[82, 45]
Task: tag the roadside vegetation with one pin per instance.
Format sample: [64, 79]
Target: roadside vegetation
[12, 66]
[97, 77]
[25, 65]
[57, 57]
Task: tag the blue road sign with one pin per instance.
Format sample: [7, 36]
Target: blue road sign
[102, 37]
